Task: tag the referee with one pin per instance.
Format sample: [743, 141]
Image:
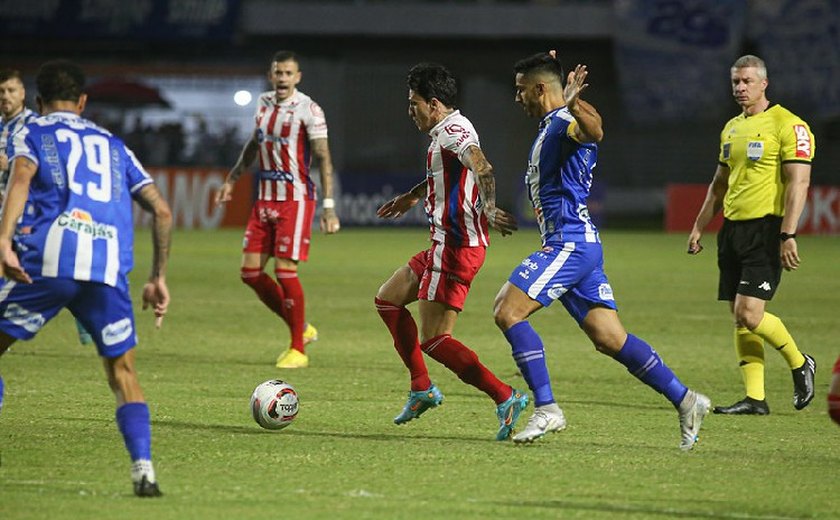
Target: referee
[761, 182]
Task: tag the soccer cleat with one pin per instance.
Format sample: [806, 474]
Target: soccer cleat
[144, 488]
[418, 402]
[310, 334]
[292, 358]
[803, 383]
[692, 410]
[508, 413]
[540, 423]
[746, 406]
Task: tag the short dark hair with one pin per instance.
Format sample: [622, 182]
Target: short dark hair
[433, 80]
[540, 62]
[60, 80]
[281, 56]
[7, 74]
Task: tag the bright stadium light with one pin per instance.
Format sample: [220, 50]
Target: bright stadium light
[242, 97]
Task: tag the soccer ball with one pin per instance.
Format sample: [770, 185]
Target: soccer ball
[274, 404]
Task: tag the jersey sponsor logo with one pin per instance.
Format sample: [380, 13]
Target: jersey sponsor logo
[726, 148]
[755, 149]
[455, 129]
[24, 318]
[117, 332]
[316, 109]
[803, 141]
[605, 292]
[80, 221]
[556, 291]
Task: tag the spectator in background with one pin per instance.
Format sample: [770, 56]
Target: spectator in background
[761, 182]
[289, 126]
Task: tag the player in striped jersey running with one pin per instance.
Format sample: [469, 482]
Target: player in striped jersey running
[290, 128]
[460, 201]
[79, 182]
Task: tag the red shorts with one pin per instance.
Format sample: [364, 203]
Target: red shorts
[281, 229]
[446, 272]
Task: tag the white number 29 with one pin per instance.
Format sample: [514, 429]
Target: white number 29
[97, 153]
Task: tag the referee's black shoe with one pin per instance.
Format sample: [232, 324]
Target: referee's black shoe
[746, 406]
[803, 383]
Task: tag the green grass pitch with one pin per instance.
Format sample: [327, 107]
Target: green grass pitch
[62, 456]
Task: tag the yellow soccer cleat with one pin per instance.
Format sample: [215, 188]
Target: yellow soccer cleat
[292, 358]
[310, 334]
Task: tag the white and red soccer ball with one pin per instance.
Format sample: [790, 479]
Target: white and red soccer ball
[274, 404]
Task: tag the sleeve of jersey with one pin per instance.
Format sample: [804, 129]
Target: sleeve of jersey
[570, 131]
[20, 145]
[723, 152]
[136, 175]
[797, 141]
[315, 121]
[458, 138]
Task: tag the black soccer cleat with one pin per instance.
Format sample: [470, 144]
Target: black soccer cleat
[746, 406]
[803, 383]
[144, 488]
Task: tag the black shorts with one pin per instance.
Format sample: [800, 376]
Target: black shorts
[748, 258]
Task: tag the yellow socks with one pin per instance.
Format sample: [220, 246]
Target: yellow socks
[774, 332]
[750, 350]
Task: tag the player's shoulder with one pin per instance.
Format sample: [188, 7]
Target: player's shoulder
[456, 130]
[783, 116]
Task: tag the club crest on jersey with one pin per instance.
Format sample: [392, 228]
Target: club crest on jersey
[803, 141]
[755, 149]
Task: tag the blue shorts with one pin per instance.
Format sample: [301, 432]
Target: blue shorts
[572, 272]
[104, 311]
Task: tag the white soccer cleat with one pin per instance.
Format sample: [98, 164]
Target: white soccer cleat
[692, 410]
[543, 421]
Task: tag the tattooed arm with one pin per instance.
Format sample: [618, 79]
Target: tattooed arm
[155, 291]
[500, 220]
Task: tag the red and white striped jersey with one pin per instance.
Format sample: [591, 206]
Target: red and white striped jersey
[453, 203]
[283, 134]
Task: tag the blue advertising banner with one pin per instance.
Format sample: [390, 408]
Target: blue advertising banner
[138, 19]
[673, 57]
[799, 40]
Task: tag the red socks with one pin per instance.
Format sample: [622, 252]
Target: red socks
[458, 358]
[404, 331]
[267, 290]
[293, 305]
[834, 399]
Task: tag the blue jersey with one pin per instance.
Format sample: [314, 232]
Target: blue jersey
[79, 210]
[558, 180]
[8, 129]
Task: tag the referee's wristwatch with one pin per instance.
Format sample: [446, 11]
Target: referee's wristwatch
[785, 236]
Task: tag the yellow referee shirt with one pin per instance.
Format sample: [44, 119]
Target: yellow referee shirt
[754, 149]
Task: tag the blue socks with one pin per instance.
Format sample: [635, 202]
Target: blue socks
[645, 364]
[134, 423]
[529, 354]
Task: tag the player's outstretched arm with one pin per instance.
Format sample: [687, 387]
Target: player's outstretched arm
[321, 153]
[23, 170]
[155, 291]
[711, 205]
[403, 202]
[245, 160]
[500, 220]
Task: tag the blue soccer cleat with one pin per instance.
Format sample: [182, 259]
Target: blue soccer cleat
[419, 402]
[508, 413]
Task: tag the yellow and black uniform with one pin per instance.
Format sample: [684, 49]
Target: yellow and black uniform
[754, 148]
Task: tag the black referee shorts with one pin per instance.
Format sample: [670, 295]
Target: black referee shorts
[748, 258]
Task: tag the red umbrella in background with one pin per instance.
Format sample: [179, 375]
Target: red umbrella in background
[125, 93]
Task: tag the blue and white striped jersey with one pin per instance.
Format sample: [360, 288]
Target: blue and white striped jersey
[79, 210]
[8, 129]
[558, 180]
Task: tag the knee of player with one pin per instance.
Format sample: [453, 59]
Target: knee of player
[748, 318]
[504, 315]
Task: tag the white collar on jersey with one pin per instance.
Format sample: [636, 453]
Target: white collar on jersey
[291, 99]
[443, 122]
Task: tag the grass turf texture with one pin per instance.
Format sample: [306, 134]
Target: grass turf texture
[62, 456]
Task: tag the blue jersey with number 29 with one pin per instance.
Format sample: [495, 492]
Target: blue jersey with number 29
[78, 217]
